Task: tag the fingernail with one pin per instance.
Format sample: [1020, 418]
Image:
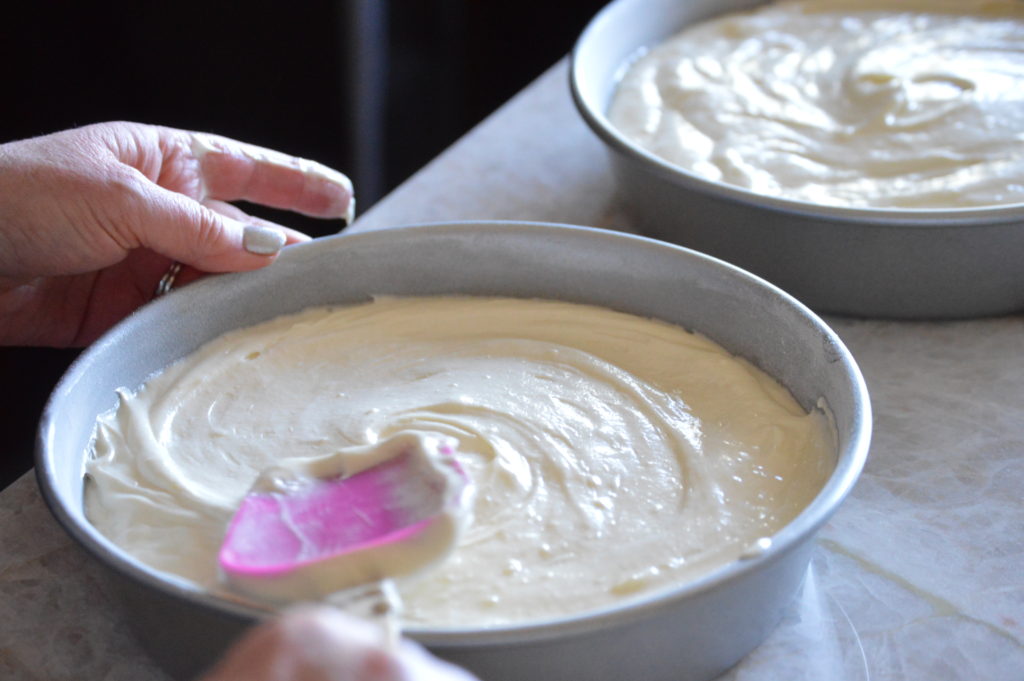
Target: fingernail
[262, 240]
[350, 213]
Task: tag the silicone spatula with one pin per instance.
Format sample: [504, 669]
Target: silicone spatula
[309, 537]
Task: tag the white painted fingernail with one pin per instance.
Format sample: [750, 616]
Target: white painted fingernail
[350, 214]
[262, 240]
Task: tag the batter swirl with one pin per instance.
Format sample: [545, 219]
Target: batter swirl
[610, 454]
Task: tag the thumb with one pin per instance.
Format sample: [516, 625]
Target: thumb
[185, 230]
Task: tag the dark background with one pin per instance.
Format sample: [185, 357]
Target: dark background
[375, 88]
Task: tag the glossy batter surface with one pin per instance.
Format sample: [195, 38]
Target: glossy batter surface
[900, 104]
[611, 455]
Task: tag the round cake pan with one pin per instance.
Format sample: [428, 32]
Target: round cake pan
[854, 261]
[687, 633]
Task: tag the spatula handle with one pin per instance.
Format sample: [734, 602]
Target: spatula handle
[377, 602]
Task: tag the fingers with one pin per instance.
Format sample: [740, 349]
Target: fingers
[214, 237]
[234, 171]
[324, 644]
[292, 236]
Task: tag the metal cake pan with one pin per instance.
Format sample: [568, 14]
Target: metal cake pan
[687, 633]
[867, 262]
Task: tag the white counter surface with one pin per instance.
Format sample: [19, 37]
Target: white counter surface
[919, 576]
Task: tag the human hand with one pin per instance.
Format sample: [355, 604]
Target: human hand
[91, 218]
[323, 644]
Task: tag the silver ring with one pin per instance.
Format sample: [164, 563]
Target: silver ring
[167, 281]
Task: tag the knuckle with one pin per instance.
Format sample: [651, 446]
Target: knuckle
[209, 229]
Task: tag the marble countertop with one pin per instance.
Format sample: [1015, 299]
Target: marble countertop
[920, 575]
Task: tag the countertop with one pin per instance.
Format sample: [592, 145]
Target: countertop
[920, 575]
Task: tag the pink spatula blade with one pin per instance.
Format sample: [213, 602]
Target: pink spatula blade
[326, 535]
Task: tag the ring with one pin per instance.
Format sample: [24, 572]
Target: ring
[167, 281]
